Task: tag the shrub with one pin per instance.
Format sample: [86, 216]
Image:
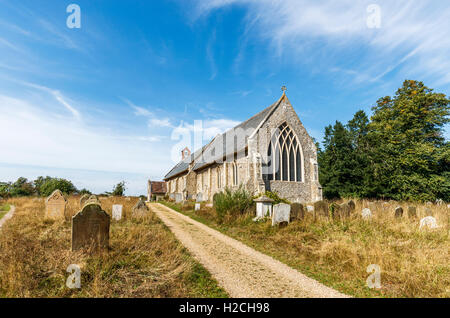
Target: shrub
[275, 197]
[232, 203]
[52, 184]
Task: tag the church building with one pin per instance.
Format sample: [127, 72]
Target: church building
[271, 151]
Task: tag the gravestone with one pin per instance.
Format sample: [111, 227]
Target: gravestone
[199, 197]
[55, 206]
[209, 205]
[263, 206]
[344, 210]
[310, 208]
[197, 206]
[398, 212]
[172, 196]
[178, 197]
[90, 228]
[117, 212]
[366, 214]
[428, 212]
[83, 199]
[140, 209]
[428, 222]
[412, 211]
[281, 213]
[439, 202]
[321, 208]
[297, 211]
[352, 206]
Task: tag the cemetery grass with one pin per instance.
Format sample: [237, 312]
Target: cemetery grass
[144, 258]
[4, 209]
[336, 253]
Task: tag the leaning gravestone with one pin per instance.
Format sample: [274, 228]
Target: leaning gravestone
[83, 199]
[321, 208]
[412, 211]
[197, 206]
[352, 206]
[297, 211]
[366, 214]
[140, 209]
[429, 222]
[281, 213]
[90, 227]
[398, 212]
[344, 210]
[55, 205]
[117, 212]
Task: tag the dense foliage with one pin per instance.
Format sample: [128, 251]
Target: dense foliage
[231, 202]
[42, 186]
[400, 153]
[119, 189]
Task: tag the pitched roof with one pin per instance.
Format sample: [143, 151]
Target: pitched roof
[157, 187]
[233, 140]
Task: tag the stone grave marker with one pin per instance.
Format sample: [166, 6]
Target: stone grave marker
[117, 212]
[344, 210]
[428, 222]
[310, 208]
[412, 211]
[352, 206]
[197, 206]
[140, 209]
[398, 212]
[178, 197]
[55, 206]
[297, 211]
[83, 199]
[209, 205]
[90, 228]
[428, 212]
[321, 208]
[199, 197]
[281, 213]
[366, 214]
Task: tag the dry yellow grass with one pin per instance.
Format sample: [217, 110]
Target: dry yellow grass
[413, 262]
[144, 260]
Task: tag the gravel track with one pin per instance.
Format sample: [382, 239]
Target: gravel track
[239, 269]
[7, 215]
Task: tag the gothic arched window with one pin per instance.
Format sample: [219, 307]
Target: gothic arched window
[284, 156]
[235, 174]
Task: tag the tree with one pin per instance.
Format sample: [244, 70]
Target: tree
[119, 189]
[5, 189]
[51, 184]
[22, 187]
[84, 191]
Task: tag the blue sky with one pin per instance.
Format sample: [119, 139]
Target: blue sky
[101, 103]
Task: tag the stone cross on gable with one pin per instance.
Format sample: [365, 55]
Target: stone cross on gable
[283, 89]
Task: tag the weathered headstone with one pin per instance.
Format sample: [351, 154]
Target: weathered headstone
[199, 197]
[90, 227]
[55, 205]
[412, 212]
[178, 197]
[281, 213]
[209, 205]
[428, 222]
[310, 208]
[352, 206]
[197, 206]
[321, 208]
[140, 209]
[263, 206]
[172, 196]
[398, 212]
[344, 210]
[439, 202]
[83, 199]
[117, 212]
[366, 214]
[428, 212]
[297, 211]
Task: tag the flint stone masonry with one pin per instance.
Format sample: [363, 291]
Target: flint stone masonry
[55, 206]
[281, 213]
[412, 211]
[399, 212]
[428, 222]
[117, 212]
[297, 211]
[366, 214]
[90, 228]
[140, 209]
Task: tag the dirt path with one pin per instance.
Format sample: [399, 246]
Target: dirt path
[239, 269]
[7, 215]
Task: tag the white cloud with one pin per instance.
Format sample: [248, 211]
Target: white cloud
[413, 37]
[156, 122]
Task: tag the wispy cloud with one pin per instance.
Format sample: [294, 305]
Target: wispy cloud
[413, 37]
[210, 55]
